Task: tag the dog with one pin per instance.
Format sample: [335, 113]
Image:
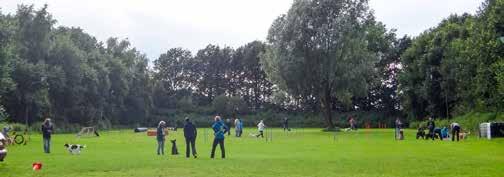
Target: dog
[421, 134]
[464, 135]
[174, 150]
[74, 149]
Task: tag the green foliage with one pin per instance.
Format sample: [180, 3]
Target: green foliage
[321, 56]
[3, 114]
[321, 50]
[456, 67]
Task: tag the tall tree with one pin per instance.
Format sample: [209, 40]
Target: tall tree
[320, 49]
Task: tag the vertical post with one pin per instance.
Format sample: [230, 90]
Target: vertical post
[205, 136]
[271, 134]
[334, 136]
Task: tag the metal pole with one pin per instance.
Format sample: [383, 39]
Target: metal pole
[271, 134]
[206, 134]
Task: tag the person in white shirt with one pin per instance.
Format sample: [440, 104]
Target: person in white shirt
[261, 127]
[455, 128]
[3, 150]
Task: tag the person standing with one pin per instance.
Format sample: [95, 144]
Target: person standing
[238, 127]
[220, 130]
[352, 123]
[261, 127]
[286, 124]
[47, 130]
[161, 137]
[190, 133]
[431, 125]
[228, 125]
[398, 126]
[455, 128]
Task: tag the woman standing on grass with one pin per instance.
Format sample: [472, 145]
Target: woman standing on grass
[47, 130]
[161, 137]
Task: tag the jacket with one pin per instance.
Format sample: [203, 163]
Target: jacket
[190, 130]
[219, 129]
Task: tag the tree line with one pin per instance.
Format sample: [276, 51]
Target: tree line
[321, 56]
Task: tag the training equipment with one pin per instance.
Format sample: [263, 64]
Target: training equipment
[37, 166]
[491, 130]
[140, 129]
[87, 132]
[154, 132]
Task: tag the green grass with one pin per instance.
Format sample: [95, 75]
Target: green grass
[308, 152]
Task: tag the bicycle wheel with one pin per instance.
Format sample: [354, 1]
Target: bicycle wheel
[19, 139]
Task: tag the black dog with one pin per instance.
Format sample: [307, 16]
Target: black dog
[436, 134]
[174, 150]
[420, 133]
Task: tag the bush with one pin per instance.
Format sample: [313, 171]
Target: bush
[3, 114]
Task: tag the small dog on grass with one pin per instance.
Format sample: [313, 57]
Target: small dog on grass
[420, 133]
[74, 149]
[464, 135]
[174, 150]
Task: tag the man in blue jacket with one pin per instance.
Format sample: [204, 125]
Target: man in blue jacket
[190, 133]
[220, 130]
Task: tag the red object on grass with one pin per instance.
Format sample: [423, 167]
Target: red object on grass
[37, 166]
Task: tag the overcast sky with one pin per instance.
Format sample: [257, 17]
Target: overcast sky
[153, 26]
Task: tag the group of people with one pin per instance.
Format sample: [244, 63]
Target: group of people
[190, 133]
[220, 129]
[442, 132]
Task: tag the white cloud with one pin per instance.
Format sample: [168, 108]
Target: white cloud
[153, 26]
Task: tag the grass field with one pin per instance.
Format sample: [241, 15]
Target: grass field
[307, 152]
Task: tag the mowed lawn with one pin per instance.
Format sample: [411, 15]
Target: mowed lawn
[302, 152]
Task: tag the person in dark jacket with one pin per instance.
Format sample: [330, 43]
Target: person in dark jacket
[398, 126]
[47, 130]
[455, 128]
[190, 133]
[286, 124]
[160, 137]
[220, 130]
[431, 125]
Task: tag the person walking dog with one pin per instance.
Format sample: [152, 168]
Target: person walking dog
[190, 133]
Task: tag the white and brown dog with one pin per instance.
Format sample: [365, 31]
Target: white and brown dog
[74, 149]
[464, 135]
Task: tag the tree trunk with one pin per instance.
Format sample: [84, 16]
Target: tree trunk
[326, 108]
